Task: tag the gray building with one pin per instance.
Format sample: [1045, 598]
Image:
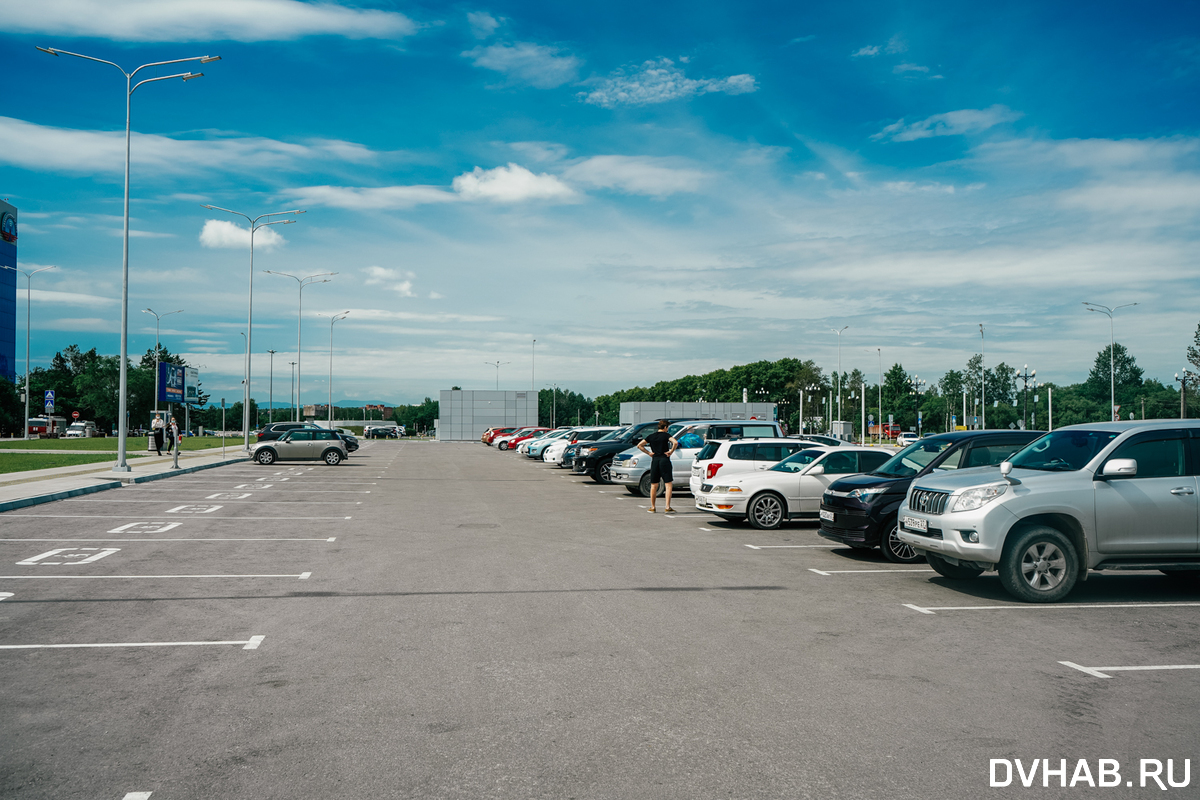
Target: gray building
[632, 413]
[8, 292]
[463, 416]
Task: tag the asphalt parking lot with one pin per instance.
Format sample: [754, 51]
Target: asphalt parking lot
[446, 621]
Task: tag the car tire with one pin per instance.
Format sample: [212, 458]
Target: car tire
[894, 550]
[503, 446]
[644, 485]
[331, 457]
[766, 511]
[604, 471]
[1040, 566]
[266, 457]
[955, 572]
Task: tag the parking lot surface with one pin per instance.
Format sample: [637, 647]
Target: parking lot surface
[446, 621]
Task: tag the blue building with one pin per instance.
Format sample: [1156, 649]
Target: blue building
[8, 292]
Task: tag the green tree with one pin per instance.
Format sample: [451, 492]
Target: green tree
[1126, 378]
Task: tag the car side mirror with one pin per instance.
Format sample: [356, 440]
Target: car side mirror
[816, 469]
[1119, 468]
[1005, 469]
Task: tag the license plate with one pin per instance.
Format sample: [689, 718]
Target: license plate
[916, 524]
[826, 515]
[706, 488]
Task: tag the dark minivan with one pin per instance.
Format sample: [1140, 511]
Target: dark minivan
[860, 510]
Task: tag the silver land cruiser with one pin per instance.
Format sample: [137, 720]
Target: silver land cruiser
[1108, 496]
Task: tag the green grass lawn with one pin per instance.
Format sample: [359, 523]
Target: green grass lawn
[109, 444]
[21, 462]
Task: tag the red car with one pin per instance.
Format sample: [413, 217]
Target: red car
[492, 433]
[514, 442]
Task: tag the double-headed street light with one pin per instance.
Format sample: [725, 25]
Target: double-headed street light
[157, 318]
[28, 290]
[497, 365]
[839, 375]
[915, 383]
[1112, 380]
[1025, 376]
[130, 88]
[255, 225]
[332, 319]
[307, 280]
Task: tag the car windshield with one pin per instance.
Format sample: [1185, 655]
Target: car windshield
[913, 458]
[619, 433]
[798, 461]
[1063, 451]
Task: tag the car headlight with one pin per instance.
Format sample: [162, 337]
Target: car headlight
[978, 497]
[587, 451]
[633, 462]
[868, 494]
[727, 489]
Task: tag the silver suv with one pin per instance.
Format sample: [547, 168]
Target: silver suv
[1108, 496]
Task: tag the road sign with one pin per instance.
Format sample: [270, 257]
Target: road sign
[74, 415]
[891, 419]
[49, 400]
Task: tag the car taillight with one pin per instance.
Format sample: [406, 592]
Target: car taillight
[712, 470]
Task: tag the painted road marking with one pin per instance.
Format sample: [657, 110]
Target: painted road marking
[213, 508]
[247, 644]
[302, 576]
[794, 546]
[138, 796]
[145, 527]
[1046, 606]
[190, 509]
[270, 479]
[228, 496]
[844, 571]
[5, 595]
[1099, 672]
[71, 556]
[254, 486]
[182, 539]
[274, 518]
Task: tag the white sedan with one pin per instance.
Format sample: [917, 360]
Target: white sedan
[791, 489]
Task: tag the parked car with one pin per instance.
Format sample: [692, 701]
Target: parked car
[596, 459]
[382, 432]
[1106, 496]
[274, 430]
[791, 489]
[81, 429]
[534, 448]
[563, 453]
[301, 444]
[514, 441]
[492, 433]
[730, 457]
[905, 439]
[861, 511]
[502, 442]
[828, 441]
[631, 468]
[349, 438]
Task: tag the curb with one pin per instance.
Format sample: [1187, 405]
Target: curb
[26, 502]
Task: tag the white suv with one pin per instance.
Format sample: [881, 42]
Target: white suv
[1108, 496]
[740, 455]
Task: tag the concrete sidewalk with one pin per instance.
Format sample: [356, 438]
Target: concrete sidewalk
[23, 489]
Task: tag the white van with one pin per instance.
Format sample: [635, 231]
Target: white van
[81, 429]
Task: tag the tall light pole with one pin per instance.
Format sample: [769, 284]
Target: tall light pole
[1182, 380]
[497, 365]
[293, 387]
[982, 381]
[28, 290]
[1112, 379]
[554, 406]
[915, 383]
[332, 319]
[130, 87]
[812, 387]
[157, 319]
[255, 225]
[839, 375]
[271, 389]
[307, 280]
[1025, 376]
[533, 367]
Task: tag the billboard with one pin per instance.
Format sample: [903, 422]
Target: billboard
[170, 383]
[191, 385]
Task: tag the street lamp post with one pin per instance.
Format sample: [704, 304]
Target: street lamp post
[915, 383]
[293, 385]
[1182, 380]
[497, 365]
[130, 87]
[533, 367]
[157, 319]
[307, 280]
[1112, 380]
[28, 290]
[1025, 377]
[332, 319]
[982, 380]
[255, 225]
[271, 389]
[553, 405]
[839, 375]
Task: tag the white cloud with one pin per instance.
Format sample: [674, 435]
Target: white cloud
[869, 50]
[218, 233]
[952, 123]
[659, 82]
[66, 298]
[399, 282]
[436, 296]
[540, 151]
[895, 45]
[901, 68]
[482, 24]
[364, 198]
[510, 184]
[42, 147]
[800, 39]
[525, 62]
[635, 175]
[203, 20]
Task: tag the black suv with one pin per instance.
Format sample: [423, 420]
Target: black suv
[272, 431]
[596, 458]
[860, 510]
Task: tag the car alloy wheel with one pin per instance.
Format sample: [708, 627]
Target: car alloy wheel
[896, 551]
[1040, 566]
[604, 471]
[332, 458]
[265, 457]
[1043, 566]
[643, 487]
[766, 512]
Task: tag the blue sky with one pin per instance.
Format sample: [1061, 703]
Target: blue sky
[649, 190]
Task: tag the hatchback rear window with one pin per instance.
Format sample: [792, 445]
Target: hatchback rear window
[708, 451]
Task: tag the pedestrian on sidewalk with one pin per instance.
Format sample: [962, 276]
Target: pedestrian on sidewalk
[156, 432]
[661, 446]
[175, 442]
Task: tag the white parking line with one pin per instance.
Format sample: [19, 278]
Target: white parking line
[5, 595]
[243, 502]
[180, 539]
[248, 644]
[1046, 606]
[793, 547]
[1099, 672]
[845, 571]
[302, 576]
[275, 518]
[138, 796]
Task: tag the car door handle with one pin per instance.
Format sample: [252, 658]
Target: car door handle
[1183, 490]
